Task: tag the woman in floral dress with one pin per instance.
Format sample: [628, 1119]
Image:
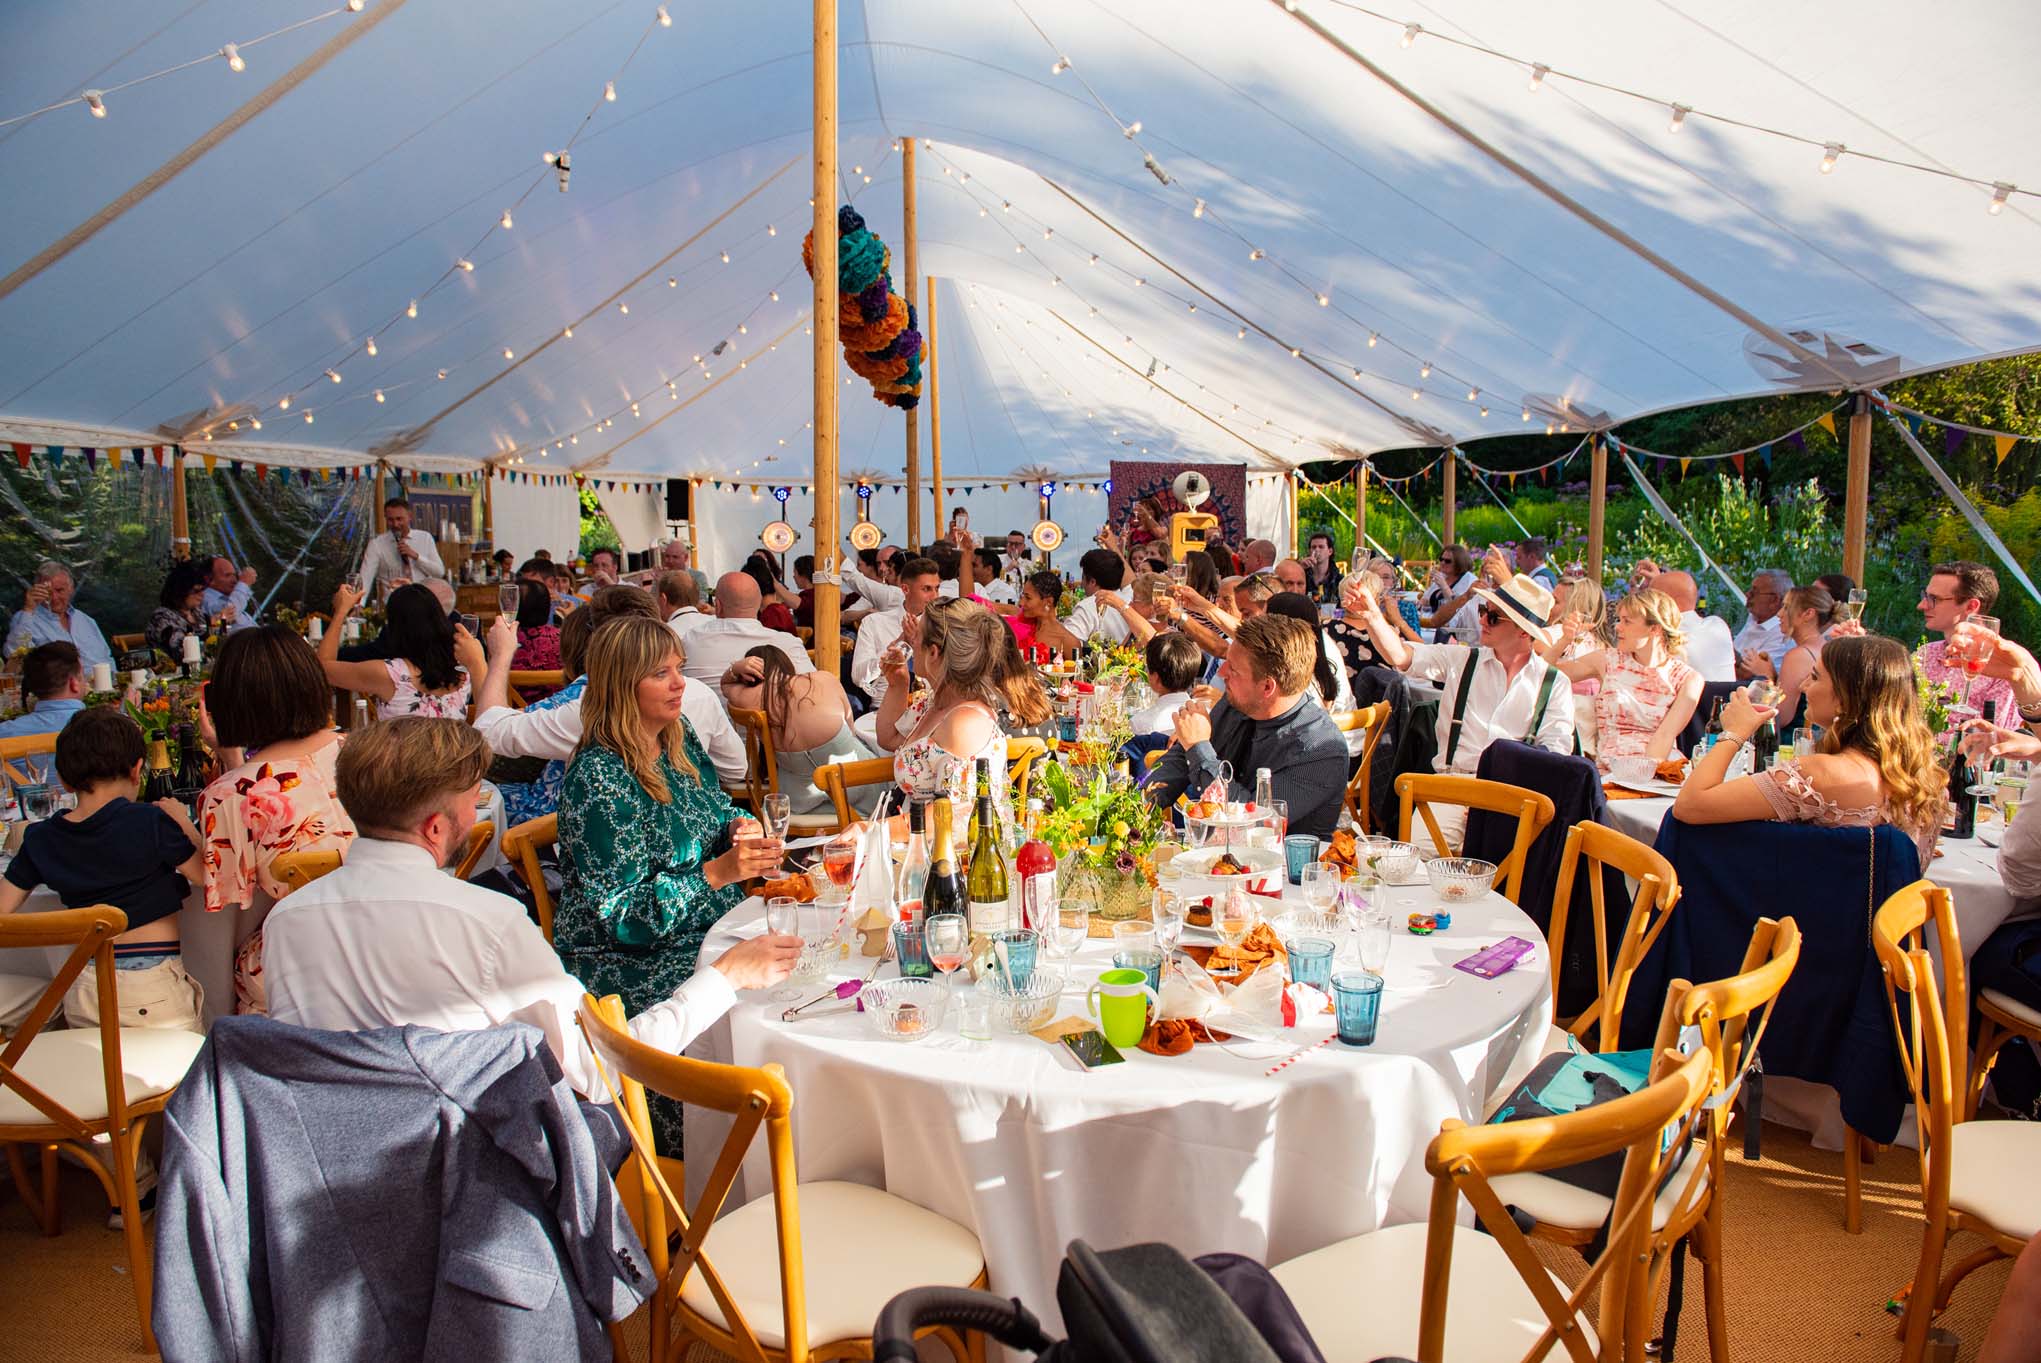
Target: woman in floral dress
[270, 716]
[1648, 692]
[429, 665]
[963, 650]
[650, 854]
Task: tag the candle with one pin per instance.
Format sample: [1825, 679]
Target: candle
[353, 630]
[141, 677]
[317, 631]
[102, 676]
[193, 648]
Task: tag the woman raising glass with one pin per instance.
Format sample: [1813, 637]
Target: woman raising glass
[964, 652]
[651, 855]
[1805, 618]
[429, 664]
[1648, 693]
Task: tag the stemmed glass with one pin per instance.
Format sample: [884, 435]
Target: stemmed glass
[948, 936]
[1065, 927]
[1853, 609]
[1976, 653]
[776, 812]
[507, 598]
[1169, 921]
[1234, 919]
[839, 858]
[783, 919]
[1320, 884]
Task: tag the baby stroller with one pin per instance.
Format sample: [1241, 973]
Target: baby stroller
[1141, 1304]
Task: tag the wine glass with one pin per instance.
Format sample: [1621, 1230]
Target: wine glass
[1169, 914]
[1068, 927]
[1853, 609]
[1975, 654]
[1320, 884]
[776, 813]
[783, 919]
[839, 857]
[1177, 573]
[507, 598]
[1235, 918]
[948, 936]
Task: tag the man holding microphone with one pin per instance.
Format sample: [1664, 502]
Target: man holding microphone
[402, 555]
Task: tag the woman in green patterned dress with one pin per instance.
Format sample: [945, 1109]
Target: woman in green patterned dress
[650, 854]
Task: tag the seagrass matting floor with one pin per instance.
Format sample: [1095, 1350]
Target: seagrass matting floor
[1798, 1287]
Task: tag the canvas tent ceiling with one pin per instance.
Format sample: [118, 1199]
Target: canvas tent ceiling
[281, 249]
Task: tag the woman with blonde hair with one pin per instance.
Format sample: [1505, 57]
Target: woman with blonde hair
[974, 671]
[1648, 693]
[1877, 761]
[1805, 618]
[651, 854]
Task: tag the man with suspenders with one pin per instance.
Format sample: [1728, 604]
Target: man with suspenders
[1497, 689]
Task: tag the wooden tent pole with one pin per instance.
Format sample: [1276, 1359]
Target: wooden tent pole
[1451, 496]
[1857, 491]
[911, 286]
[1360, 504]
[1597, 506]
[180, 513]
[381, 465]
[489, 508]
[935, 417]
[828, 599]
[1296, 531]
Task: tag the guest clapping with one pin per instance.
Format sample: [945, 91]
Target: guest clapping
[1647, 693]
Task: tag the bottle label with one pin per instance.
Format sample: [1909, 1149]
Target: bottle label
[987, 915]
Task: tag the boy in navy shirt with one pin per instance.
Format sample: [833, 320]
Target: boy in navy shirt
[142, 859]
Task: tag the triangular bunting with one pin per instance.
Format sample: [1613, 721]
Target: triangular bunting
[56, 453]
[1765, 453]
[1826, 421]
[2002, 445]
[1683, 466]
[210, 460]
[91, 457]
[115, 456]
[21, 455]
[1737, 459]
[1952, 441]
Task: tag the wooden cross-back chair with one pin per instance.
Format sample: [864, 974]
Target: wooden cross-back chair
[1975, 1176]
[1590, 847]
[1370, 720]
[479, 838]
[1437, 1291]
[14, 753]
[521, 847]
[792, 1275]
[762, 773]
[2000, 1018]
[126, 643]
[522, 680]
[838, 779]
[299, 869]
[63, 1088]
[1021, 756]
[1729, 1016]
[1419, 791]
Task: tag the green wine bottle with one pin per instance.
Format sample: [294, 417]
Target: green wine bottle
[986, 883]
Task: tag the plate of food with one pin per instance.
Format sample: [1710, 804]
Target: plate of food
[1214, 871]
[1647, 777]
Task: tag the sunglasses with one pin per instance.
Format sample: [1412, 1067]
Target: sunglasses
[1490, 615]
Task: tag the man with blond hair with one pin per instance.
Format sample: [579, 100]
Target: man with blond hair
[387, 940]
[1265, 719]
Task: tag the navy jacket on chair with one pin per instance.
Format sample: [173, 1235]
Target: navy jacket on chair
[1831, 1024]
[388, 1195]
[1372, 684]
[1575, 789]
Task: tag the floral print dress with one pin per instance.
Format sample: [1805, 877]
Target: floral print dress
[925, 769]
[248, 818]
[409, 700]
[1632, 703]
[634, 903]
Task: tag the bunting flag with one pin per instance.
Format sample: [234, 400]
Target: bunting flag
[1798, 440]
[261, 472]
[1683, 466]
[234, 466]
[21, 455]
[1952, 441]
[56, 453]
[2002, 445]
[157, 450]
[1737, 459]
[210, 459]
[1765, 453]
[1827, 422]
[114, 455]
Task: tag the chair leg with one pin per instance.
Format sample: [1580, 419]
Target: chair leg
[1990, 1254]
[1920, 1306]
[46, 1208]
[1853, 1182]
[1989, 1038]
[127, 1147]
[1709, 1238]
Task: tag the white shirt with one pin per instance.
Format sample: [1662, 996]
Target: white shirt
[683, 621]
[713, 645]
[215, 602]
[1090, 620]
[1498, 706]
[554, 733]
[1769, 636]
[1465, 626]
[1709, 649]
[383, 561]
[1000, 592]
[876, 633]
[388, 941]
[2019, 860]
[1160, 717]
[878, 595]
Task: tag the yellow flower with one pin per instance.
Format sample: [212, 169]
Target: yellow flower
[1120, 828]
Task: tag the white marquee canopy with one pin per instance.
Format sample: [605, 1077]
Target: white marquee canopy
[1110, 196]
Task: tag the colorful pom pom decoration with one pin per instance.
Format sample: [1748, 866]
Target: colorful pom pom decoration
[880, 333]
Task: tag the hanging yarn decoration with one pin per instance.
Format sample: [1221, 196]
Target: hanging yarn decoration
[880, 333]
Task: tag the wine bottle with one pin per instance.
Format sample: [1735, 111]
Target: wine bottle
[1764, 747]
[157, 784]
[190, 780]
[986, 883]
[944, 891]
[1713, 734]
[1963, 805]
[1034, 865]
[909, 888]
[361, 713]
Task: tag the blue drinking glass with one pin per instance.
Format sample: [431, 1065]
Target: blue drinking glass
[1146, 960]
[1311, 961]
[1020, 945]
[910, 949]
[1299, 851]
[1356, 1006]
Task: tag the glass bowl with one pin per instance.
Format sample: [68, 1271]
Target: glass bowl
[1458, 881]
[1026, 1008]
[905, 1010]
[1395, 862]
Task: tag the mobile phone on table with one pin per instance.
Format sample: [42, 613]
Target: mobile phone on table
[1092, 1049]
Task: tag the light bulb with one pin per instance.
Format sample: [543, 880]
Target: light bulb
[771, 230]
[1373, 338]
[1548, 428]
[284, 405]
[1679, 118]
[1093, 260]
[567, 333]
[442, 375]
[1198, 209]
[609, 92]
[774, 295]
[665, 19]
[743, 330]
[1062, 65]
[1296, 353]
[466, 265]
[1324, 300]
[333, 374]
[1132, 129]
[504, 222]
[235, 61]
[2001, 190]
[1240, 335]
[1484, 411]
[1527, 414]
[95, 103]
[634, 409]
[308, 418]
[1256, 254]
[355, 6]
[1830, 153]
[254, 424]
[1538, 73]
[1416, 395]
[509, 354]
[624, 308]
[574, 440]
[1410, 32]
[379, 395]
[1425, 370]
[371, 347]
[550, 157]
[726, 257]
[1473, 394]
[412, 311]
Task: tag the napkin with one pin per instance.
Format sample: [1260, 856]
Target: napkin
[1175, 1036]
[1259, 947]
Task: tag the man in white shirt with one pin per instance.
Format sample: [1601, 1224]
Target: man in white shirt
[400, 553]
[1764, 631]
[680, 602]
[1511, 693]
[1709, 649]
[390, 940]
[920, 582]
[228, 590]
[713, 645]
[987, 584]
[880, 593]
[1102, 571]
[1256, 555]
[1019, 557]
[554, 734]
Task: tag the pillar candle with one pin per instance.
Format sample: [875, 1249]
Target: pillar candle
[317, 630]
[194, 649]
[102, 676]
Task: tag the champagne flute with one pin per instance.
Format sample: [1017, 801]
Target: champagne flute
[1234, 919]
[1169, 920]
[783, 919]
[1854, 608]
[948, 936]
[776, 813]
[507, 594]
[1976, 653]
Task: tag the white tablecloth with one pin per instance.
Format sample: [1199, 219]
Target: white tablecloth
[1204, 1151]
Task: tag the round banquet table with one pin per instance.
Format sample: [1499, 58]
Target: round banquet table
[1206, 1151]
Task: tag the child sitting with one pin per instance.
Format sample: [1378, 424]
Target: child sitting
[141, 859]
[1174, 666]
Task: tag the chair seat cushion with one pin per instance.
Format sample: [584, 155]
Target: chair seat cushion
[1557, 1203]
[860, 1247]
[69, 1067]
[1991, 1175]
[2012, 1007]
[1361, 1298]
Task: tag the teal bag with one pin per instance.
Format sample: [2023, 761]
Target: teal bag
[1572, 1082]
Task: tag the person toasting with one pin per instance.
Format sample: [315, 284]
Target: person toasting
[400, 554]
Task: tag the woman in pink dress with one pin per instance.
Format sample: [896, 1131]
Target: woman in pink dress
[1805, 617]
[1647, 692]
[1877, 761]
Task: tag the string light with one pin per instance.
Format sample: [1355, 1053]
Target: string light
[1425, 371]
[774, 295]
[464, 265]
[672, 283]
[379, 395]
[771, 230]
[412, 311]
[1062, 65]
[1679, 118]
[333, 374]
[1831, 152]
[624, 308]
[442, 376]
[726, 257]
[284, 403]
[355, 6]
[1538, 73]
[1198, 208]
[96, 103]
[504, 221]
[1324, 300]
[509, 354]
[235, 62]
[308, 418]
[665, 19]
[1256, 254]
[1416, 395]
[1240, 335]
[609, 91]
[254, 423]
[371, 347]
[1999, 190]
[1410, 32]
[1374, 337]
[567, 333]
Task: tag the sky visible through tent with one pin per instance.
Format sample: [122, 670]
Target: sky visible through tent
[1171, 230]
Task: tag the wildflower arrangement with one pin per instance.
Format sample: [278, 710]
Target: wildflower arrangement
[1101, 818]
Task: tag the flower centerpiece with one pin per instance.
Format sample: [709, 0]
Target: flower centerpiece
[1120, 660]
[1101, 827]
[1938, 699]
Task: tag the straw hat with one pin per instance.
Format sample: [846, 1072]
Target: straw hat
[1528, 604]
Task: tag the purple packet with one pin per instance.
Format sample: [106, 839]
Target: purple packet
[1499, 959]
